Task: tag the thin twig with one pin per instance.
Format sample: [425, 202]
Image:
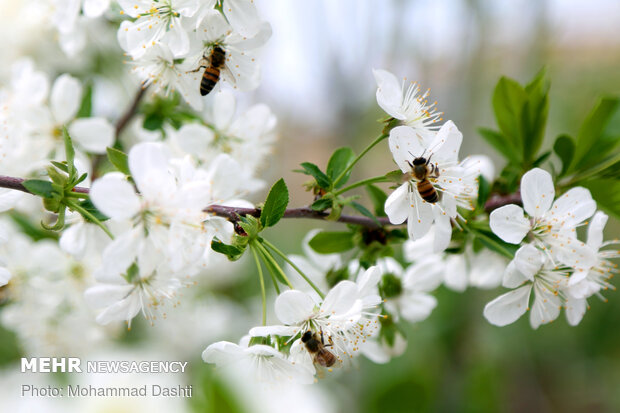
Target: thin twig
[233, 213]
[121, 124]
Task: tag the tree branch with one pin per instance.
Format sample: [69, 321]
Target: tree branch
[233, 213]
[121, 124]
[18, 184]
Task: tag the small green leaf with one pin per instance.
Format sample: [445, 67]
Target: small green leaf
[275, 205]
[364, 211]
[314, 171]
[251, 226]
[33, 230]
[501, 144]
[564, 148]
[119, 160]
[338, 162]
[484, 190]
[534, 115]
[232, 252]
[322, 204]
[328, 242]
[508, 101]
[606, 192]
[92, 209]
[39, 187]
[542, 158]
[395, 176]
[61, 165]
[592, 131]
[378, 198]
[69, 154]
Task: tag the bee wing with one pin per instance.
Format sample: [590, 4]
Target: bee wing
[227, 75]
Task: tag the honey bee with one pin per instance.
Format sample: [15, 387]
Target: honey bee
[422, 169]
[316, 346]
[211, 75]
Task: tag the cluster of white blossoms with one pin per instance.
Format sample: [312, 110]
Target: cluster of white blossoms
[166, 235]
[561, 270]
[314, 334]
[432, 192]
[171, 42]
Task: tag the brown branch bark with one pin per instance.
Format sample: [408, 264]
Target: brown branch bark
[233, 213]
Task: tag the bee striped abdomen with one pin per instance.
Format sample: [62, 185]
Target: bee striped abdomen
[427, 191]
[209, 80]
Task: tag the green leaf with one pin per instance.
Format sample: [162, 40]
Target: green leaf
[378, 198]
[327, 242]
[119, 160]
[606, 192]
[508, 101]
[501, 144]
[564, 148]
[90, 207]
[33, 230]
[364, 211]
[39, 187]
[275, 205]
[313, 170]
[338, 162]
[535, 113]
[322, 204]
[232, 252]
[484, 190]
[61, 165]
[251, 226]
[69, 154]
[86, 107]
[591, 132]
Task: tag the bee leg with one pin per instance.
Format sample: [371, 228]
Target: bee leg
[197, 70]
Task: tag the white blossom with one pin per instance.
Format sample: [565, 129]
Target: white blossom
[456, 186]
[551, 224]
[404, 102]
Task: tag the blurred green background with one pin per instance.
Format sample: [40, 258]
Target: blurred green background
[318, 81]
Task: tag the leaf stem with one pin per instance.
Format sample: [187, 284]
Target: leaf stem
[360, 156]
[363, 182]
[262, 282]
[74, 206]
[285, 258]
[274, 264]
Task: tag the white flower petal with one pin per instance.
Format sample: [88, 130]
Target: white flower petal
[194, 138]
[507, 308]
[9, 198]
[443, 230]
[340, 299]
[573, 207]
[405, 146]
[455, 277]
[417, 307]
[537, 192]
[389, 93]
[293, 306]
[595, 230]
[93, 134]
[95, 8]
[509, 223]
[73, 240]
[529, 260]
[242, 16]
[223, 109]
[512, 276]
[447, 143]
[575, 310]
[420, 217]
[5, 276]
[65, 98]
[397, 205]
[114, 196]
[546, 307]
[264, 331]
